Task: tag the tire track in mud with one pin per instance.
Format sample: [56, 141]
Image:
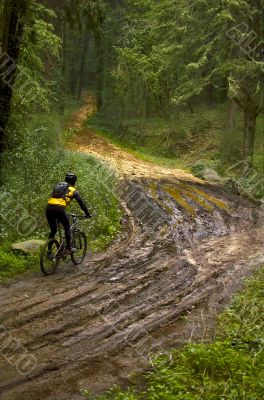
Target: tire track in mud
[89, 327]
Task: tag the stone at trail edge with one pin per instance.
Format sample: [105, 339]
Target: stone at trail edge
[204, 171]
[211, 175]
[28, 247]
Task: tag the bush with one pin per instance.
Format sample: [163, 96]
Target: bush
[12, 264]
[198, 169]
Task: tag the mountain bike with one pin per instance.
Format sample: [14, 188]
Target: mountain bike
[55, 250]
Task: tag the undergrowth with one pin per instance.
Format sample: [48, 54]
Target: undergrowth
[231, 367]
[12, 264]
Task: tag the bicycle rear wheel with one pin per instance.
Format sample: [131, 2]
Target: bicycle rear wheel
[49, 258]
[79, 242]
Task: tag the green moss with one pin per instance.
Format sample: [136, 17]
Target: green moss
[212, 199]
[197, 199]
[177, 195]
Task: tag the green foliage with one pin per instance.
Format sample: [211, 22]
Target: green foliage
[243, 323]
[208, 372]
[198, 169]
[12, 264]
[231, 367]
[68, 135]
[40, 42]
[36, 155]
[114, 393]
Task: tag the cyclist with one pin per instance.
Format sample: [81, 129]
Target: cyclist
[62, 195]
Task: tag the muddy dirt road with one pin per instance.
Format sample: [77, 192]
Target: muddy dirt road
[186, 247]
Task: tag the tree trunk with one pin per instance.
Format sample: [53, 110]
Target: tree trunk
[100, 73]
[63, 66]
[190, 106]
[210, 94]
[72, 76]
[13, 28]
[85, 46]
[231, 114]
[249, 133]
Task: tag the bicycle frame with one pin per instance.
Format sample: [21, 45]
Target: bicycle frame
[73, 226]
[79, 244]
[62, 240]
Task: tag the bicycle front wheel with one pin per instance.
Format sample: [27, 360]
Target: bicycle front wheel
[79, 242]
[49, 258]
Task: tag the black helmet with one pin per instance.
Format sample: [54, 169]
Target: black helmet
[71, 178]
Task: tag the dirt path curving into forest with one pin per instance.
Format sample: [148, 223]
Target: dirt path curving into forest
[187, 250]
[124, 162]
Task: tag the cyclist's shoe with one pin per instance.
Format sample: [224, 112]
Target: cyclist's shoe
[70, 251]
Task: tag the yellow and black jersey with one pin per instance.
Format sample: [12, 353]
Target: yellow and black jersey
[68, 194]
[64, 201]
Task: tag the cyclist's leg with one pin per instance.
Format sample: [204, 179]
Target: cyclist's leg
[64, 220]
[52, 220]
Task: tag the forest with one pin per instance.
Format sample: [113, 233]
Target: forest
[158, 105]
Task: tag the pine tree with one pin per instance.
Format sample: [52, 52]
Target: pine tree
[225, 40]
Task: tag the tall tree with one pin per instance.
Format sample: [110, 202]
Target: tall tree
[181, 52]
[77, 18]
[80, 17]
[14, 19]
[225, 39]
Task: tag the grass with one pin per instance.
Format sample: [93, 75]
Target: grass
[231, 367]
[12, 264]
